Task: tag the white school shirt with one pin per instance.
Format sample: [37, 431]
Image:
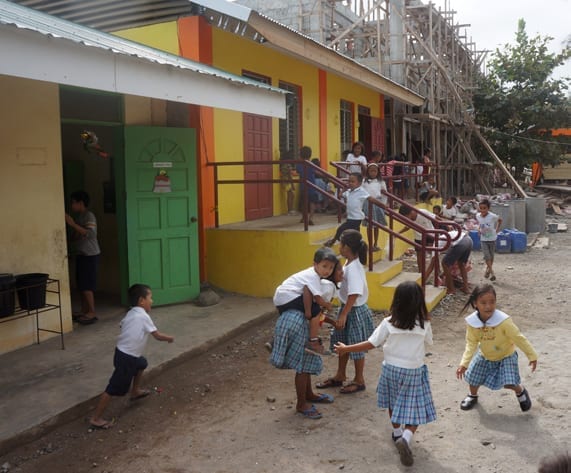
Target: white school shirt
[135, 329]
[402, 348]
[355, 199]
[354, 282]
[450, 212]
[358, 160]
[488, 226]
[374, 188]
[293, 286]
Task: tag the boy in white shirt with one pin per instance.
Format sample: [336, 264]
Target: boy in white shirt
[128, 360]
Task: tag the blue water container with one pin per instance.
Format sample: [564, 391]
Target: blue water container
[504, 242]
[475, 236]
[519, 241]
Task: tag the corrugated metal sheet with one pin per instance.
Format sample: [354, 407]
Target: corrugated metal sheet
[112, 15]
[27, 18]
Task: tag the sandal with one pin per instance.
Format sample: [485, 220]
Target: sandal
[352, 388]
[329, 383]
[84, 320]
[323, 399]
[105, 426]
[468, 402]
[311, 413]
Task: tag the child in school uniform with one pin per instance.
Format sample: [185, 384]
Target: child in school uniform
[375, 185]
[403, 388]
[128, 361]
[355, 197]
[296, 344]
[354, 323]
[490, 358]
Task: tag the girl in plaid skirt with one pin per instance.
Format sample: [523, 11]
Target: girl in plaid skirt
[403, 386]
[354, 323]
[495, 364]
[298, 300]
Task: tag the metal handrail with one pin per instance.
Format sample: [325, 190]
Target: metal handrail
[341, 185]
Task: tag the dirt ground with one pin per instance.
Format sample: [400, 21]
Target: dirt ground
[230, 411]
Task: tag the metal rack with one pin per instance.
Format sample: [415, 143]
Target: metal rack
[52, 287]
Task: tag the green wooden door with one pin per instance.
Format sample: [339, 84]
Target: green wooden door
[162, 229]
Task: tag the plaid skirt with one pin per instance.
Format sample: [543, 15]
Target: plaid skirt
[407, 393]
[493, 374]
[290, 336]
[358, 328]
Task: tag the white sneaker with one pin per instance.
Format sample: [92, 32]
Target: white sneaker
[404, 451]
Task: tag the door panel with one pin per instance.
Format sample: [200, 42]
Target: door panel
[377, 134]
[258, 147]
[162, 241]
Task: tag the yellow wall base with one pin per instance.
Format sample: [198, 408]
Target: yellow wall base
[255, 262]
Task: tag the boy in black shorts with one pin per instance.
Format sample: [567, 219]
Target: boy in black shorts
[128, 360]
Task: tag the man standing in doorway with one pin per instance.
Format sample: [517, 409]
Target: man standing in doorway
[87, 252]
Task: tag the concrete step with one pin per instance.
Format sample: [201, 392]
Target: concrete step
[381, 294]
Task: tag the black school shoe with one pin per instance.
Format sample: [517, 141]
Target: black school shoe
[469, 402]
[526, 404]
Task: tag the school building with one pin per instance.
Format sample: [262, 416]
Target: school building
[178, 96]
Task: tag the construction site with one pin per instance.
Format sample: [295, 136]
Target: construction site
[425, 49]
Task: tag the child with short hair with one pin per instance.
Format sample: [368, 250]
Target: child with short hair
[404, 387]
[450, 211]
[354, 323]
[87, 254]
[488, 226]
[128, 360]
[298, 300]
[355, 196]
[493, 336]
[427, 190]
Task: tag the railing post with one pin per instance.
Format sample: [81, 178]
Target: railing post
[370, 232]
[216, 216]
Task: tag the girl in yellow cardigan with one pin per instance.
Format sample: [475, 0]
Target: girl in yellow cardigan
[495, 363]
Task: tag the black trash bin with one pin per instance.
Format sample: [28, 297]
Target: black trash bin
[31, 290]
[7, 296]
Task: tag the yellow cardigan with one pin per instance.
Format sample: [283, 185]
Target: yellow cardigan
[497, 338]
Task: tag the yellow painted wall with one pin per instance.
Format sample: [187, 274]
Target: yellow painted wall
[237, 55]
[31, 191]
[161, 36]
[341, 89]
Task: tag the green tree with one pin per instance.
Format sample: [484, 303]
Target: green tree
[518, 102]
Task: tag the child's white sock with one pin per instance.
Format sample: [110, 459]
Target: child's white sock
[407, 435]
[397, 432]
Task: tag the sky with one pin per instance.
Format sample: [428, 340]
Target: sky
[494, 22]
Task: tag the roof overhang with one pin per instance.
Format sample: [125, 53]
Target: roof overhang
[38, 46]
[291, 42]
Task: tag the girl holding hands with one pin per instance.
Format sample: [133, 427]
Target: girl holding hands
[403, 388]
[354, 323]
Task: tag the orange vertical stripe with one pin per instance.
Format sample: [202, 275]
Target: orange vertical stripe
[322, 86]
[195, 42]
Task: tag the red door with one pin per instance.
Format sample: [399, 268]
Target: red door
[377, 134]
[258, 147]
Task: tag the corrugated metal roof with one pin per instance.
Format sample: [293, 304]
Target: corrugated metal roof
[30, 19]
[112, 15]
